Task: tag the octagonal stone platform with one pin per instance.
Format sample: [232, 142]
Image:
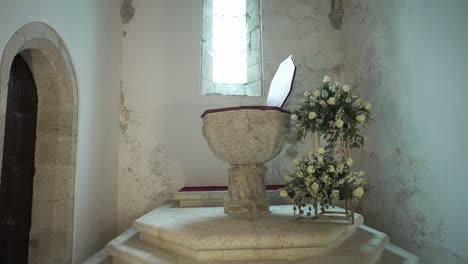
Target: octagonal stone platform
[209, 234]
[172, 235]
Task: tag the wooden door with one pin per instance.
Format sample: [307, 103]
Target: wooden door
[16, 186]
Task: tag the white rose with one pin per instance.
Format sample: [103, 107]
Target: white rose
[340, 168]
[283, 194]
[358, 192]
[315, 188]
[331, 101]
[360, 181]
[346, 88]
[312, 115]
[300, 174]
[316, 93]
[367, 106]
[321, 151]
[326, 79]
[339, 123]
[331, 168]
[310, 169]
[349, 162]
[306, 93]
[360, 119]
[296, 162]
[320, 159]
[294, 117]
[335, 193]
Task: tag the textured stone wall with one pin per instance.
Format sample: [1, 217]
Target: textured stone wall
[150, 89]
[54, 184]
[161, 145]
[409, 59]
[300, 28]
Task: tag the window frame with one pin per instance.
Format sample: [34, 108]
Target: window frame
[254, 84]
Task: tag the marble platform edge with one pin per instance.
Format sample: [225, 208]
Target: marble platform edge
[244, 254]
[149, 235]
[367, 246]
[201, 247]
[101, 257]
[394, 254]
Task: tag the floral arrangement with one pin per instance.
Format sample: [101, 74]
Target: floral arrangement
[320, 180]
[331, 109]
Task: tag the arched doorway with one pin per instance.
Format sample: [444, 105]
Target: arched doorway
[51, 233]
[18, 164]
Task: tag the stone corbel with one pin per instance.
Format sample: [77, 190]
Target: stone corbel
[336, 14]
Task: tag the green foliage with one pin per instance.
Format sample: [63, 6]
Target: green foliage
[330, 108]
[320, 178]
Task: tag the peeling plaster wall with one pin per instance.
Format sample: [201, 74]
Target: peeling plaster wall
[300, 28]
[91, 30]
[409, 58]
[161, 144]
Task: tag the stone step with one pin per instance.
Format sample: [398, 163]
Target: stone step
[364, 247]
[213, 198]
[395, 255]
[210, 234]
[101, 257]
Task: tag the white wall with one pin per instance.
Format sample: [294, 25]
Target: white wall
[92, 31]
[161, 140]
[162, 147]
[409, 58]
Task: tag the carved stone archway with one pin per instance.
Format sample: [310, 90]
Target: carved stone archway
[51, 236]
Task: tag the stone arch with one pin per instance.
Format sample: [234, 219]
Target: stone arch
[51, 236]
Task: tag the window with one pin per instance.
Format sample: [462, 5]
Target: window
[231, 47]
[229, 42]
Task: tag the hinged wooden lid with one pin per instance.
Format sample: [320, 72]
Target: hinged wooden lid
[282, 83]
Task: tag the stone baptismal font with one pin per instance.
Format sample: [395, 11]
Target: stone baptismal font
[247, 230]
[248, 136]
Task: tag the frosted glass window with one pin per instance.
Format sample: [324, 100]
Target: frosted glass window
[229, 42]
[231, 47]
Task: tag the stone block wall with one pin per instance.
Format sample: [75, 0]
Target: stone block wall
[53, 193]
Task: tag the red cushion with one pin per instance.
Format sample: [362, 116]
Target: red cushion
[217, 110]
[221, 188]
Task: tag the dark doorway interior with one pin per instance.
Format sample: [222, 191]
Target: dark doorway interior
[16, 186]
